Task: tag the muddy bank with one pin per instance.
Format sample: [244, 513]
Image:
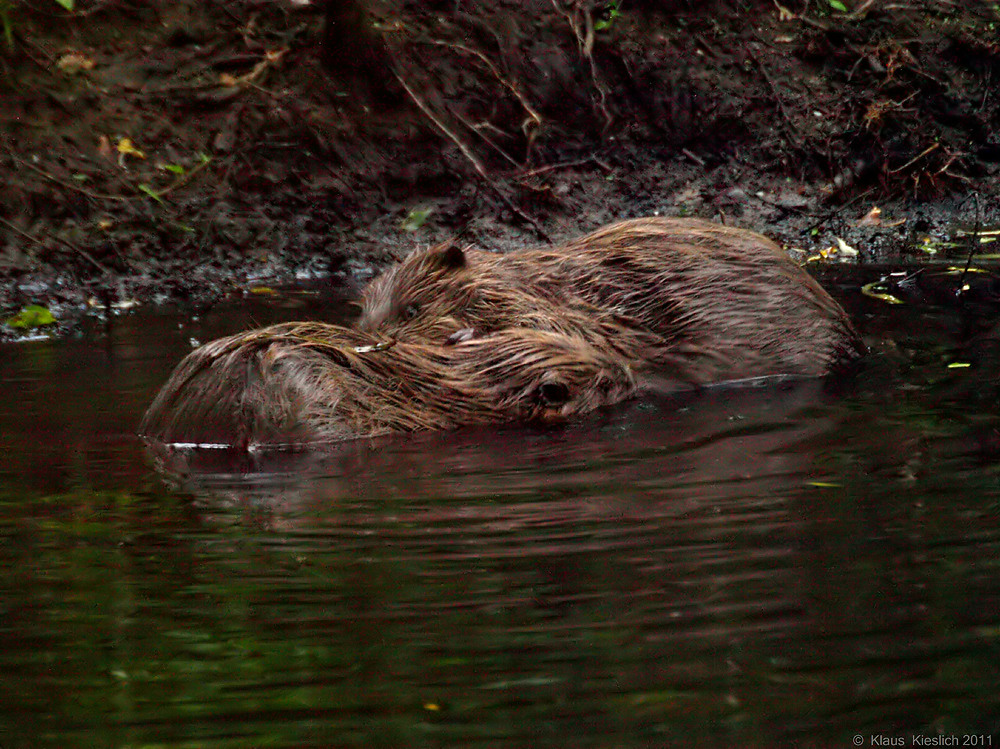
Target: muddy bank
[186, 150]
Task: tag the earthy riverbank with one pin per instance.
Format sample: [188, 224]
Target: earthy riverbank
[186, 150]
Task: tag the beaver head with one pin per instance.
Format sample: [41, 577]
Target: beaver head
[311, 382]
[428, 285]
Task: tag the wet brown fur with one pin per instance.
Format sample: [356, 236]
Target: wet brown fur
[701, 301]
[312, 382]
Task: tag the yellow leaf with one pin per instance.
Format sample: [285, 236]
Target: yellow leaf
[876, 291]
[127, 148]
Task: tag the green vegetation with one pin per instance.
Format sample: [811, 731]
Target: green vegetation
[612, 11]
[31, 317]
[6, 6]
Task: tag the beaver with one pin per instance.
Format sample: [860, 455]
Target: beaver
[297, 383]
[700, 301]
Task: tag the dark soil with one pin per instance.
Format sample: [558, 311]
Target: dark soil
[275, 147]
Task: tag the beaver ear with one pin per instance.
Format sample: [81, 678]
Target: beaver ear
[449, 257]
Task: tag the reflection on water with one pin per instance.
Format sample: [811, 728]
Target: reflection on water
[779, 566]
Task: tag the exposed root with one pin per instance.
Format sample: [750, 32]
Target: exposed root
[533, 124]
[581, 21]
[473, 159]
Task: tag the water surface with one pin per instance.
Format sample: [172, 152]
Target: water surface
[791, 565]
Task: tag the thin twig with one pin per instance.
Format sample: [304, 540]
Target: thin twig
[439, 124]
[488, 140]
[694, 157]
[563, 165]
[859, 11]
[973, 242]
[71, 186]
[813, 22]
[178, 182]
[915, 159]
[824, 217]
[786, 118]
[183, 179]
[82, 252]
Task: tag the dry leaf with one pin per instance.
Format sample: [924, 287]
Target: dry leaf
[872, 218]
[845, 249]
[784, 14]
[104, 147]
[73, 62]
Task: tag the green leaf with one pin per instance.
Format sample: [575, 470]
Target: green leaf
[416, 219]
[151, 193]
[837, 5]
[611, 12]
[67, 4]
[8, 27]
[175, 168]
[32, 316]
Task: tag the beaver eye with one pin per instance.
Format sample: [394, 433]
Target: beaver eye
[410, 311]
[553, 393]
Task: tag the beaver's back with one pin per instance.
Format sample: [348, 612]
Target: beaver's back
[729, 302]
[716, 302]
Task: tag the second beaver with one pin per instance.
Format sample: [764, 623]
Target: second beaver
[701, 301]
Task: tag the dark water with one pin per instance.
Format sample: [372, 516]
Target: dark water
[788, 566]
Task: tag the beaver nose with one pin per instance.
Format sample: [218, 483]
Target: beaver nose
[371, 318]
